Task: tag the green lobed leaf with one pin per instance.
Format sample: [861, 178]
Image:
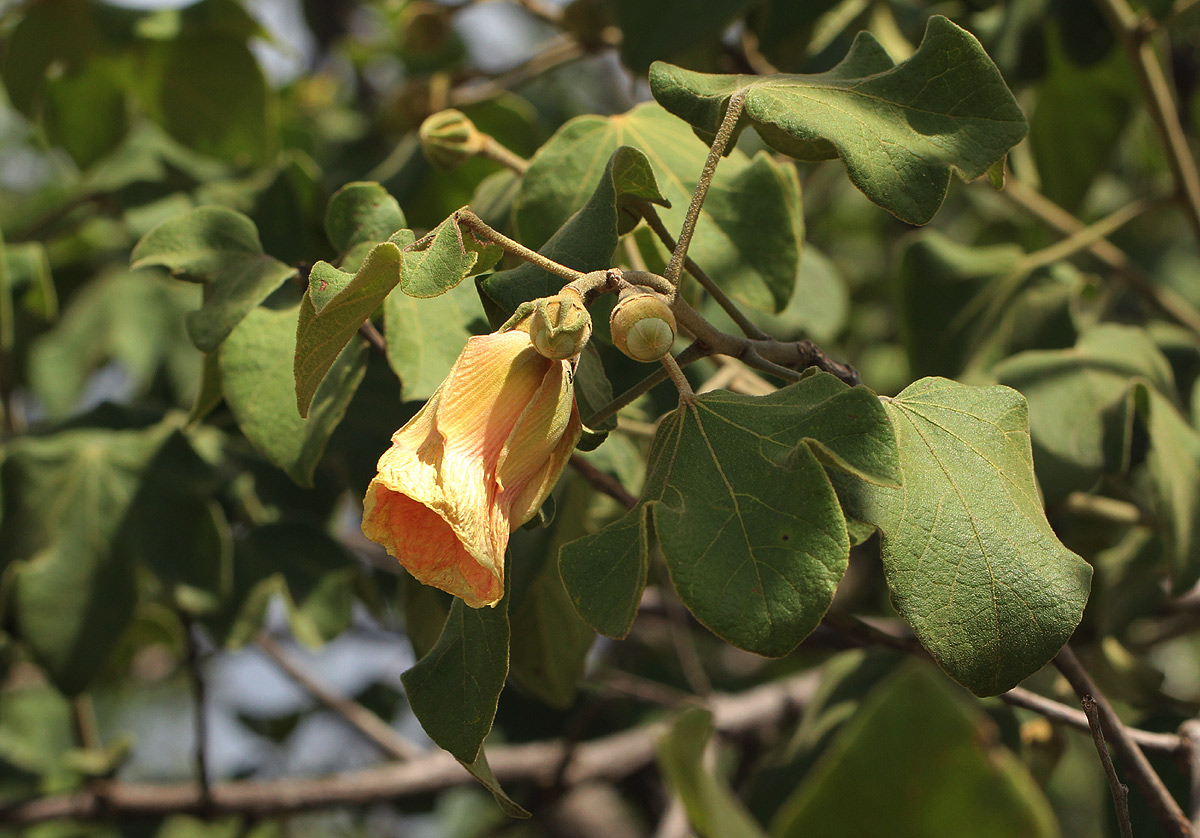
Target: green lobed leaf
[970, 559]
[66, 495]
[746, 517]
[333, 308]
[454, 689]
[444, 258]
[1174, 465]
[361, 212]
[424, 337]
[899, 129]
[257, 379]
[585, 241]
[750, 230]
[1077, 402]
[220, 248]
[713, 810]
[949, 774]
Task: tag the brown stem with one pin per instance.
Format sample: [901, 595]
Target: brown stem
[1189, 732]
[654, 220]
[603, 482]
[476, 225]
[353, 713]
[502, 154]
[1132, 30]
[373, 338]
[686, 394]
[732, 113]
[1166, 810]
[1120, 791]
[693, 353]
[1163, 300]
[1055, 711]
[608, 758]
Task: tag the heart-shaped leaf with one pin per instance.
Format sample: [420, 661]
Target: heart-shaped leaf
[971, 561]
[899, 128]
[750, 231]
[746, 516]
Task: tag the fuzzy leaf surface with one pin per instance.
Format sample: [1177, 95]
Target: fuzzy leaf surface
[900, 129]
[744, 512]
[750, 231]
[971, 561]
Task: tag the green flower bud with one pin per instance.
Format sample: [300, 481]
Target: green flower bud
[643, 326]
[449, 138]
[560, 326]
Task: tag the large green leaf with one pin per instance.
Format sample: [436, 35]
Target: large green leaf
[337, 302]
[65, 497]
[1077, 402]
[899, 128]
[361, 213]
[256, 376]
[333, 308]
[208, 92]
[585, 241]
[220, 248]
[454, 689]
[713, 810]
[135, 319]
[424, 337]
[970, 559]
[750, 230]
[946, 773]
[1174, 465]
[746, 517]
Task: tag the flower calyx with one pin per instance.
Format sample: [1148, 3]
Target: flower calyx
[643, 326]
[559, 326]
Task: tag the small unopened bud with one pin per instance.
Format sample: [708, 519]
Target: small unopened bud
[449, 138]
[560, 326]
[643, 326]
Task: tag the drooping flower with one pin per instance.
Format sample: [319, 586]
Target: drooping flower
[474, 464]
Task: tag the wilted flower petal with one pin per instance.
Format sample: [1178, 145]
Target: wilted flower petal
[476, 462]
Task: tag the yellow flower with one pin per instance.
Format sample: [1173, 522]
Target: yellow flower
[474, 464]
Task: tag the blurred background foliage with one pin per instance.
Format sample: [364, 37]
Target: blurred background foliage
[163, 527]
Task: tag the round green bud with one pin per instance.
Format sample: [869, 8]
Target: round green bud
[449, 138]
[643, 326]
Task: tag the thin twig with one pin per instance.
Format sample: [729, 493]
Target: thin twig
[603, 482]
[1120, 791]
[1163, 743]
[497, 152]
[373, 338]
[1084, 238]
[1131, 28]
[557, 53]
[1163, 300]
[608, 758]
[732, 113]
[353, 713]
[654, 220]
[1149, 784]
[199, 711]
[476, 225]
[675, 373]
[1189, 732]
